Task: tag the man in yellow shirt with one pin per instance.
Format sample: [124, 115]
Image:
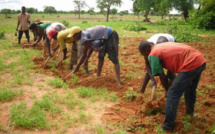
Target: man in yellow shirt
[64, 37]
[22, 25]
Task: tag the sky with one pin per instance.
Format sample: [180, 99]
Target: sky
[65, 5]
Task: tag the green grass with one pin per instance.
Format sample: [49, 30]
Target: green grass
[100, 130]
[130, 95]
[57, 83]
[47, 104]
[96, 94]
[27, 118]
[7, 94]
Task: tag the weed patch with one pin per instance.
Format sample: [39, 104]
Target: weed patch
[7, 94]
[134, 27]
[95, 94]
[27, 118]
[130, 95]
[57, 83]
[2, 36]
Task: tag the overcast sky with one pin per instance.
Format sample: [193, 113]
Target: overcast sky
[65, 5]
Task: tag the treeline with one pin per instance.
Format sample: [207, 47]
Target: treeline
[52, 10]
[199, 13]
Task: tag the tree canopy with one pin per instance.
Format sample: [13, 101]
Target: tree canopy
[49, 9]
[102, 4]
[79, 4]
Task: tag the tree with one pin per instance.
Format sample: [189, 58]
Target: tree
[184, 6]
[113, 11]
[204, 17]
[91, 11]
[78, 5]
[136, 8]
[83, 11]
[162, 7]
[121, 13]
[102, 4]
[6, 12]
[31, 10]
[145, 6]
[49, 9]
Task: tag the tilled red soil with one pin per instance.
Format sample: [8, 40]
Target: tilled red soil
[141, 113]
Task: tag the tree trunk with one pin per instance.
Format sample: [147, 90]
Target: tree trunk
[185, 14]
[108, 11]
[79, 14]
[146, 16]
[162, 16]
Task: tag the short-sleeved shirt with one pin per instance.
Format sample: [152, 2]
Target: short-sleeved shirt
[23, 20]
[175, 57]
[56, 25]
[62, 38]
[155, 37]
[43, 26]
[95, 33]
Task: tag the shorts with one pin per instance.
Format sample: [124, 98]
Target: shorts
[111, 47]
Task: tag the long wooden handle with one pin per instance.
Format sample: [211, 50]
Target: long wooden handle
[67, 76]
[47, 61]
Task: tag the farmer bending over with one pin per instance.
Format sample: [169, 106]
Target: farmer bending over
[102, 39]
[57, 26]
[63, 37]
[154, 40]
[178, 58]
[38, 30]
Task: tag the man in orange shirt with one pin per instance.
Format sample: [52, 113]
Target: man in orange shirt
[178, 58]
[22, 25]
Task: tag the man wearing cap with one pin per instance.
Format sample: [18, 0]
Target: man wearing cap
[154, 40]
[178, 58]
[107, 40]
[22, 25]
[64, 37]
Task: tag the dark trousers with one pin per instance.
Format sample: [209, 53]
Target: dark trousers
[111, 47]
[21, 33]
[185, 82]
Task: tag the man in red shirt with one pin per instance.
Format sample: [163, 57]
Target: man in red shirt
[178, 58]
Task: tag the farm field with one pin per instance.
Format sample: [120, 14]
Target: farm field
[34, 99]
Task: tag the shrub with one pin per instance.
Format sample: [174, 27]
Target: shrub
[2, 36]
[182, 34]
[135, 27]
[203, 20]
[84, 21]
[66, 23]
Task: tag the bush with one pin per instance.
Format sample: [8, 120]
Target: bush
[2, 36]
[135, 27]
[182, 34]
[66, 23]
[84, 21]
[203, 20]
